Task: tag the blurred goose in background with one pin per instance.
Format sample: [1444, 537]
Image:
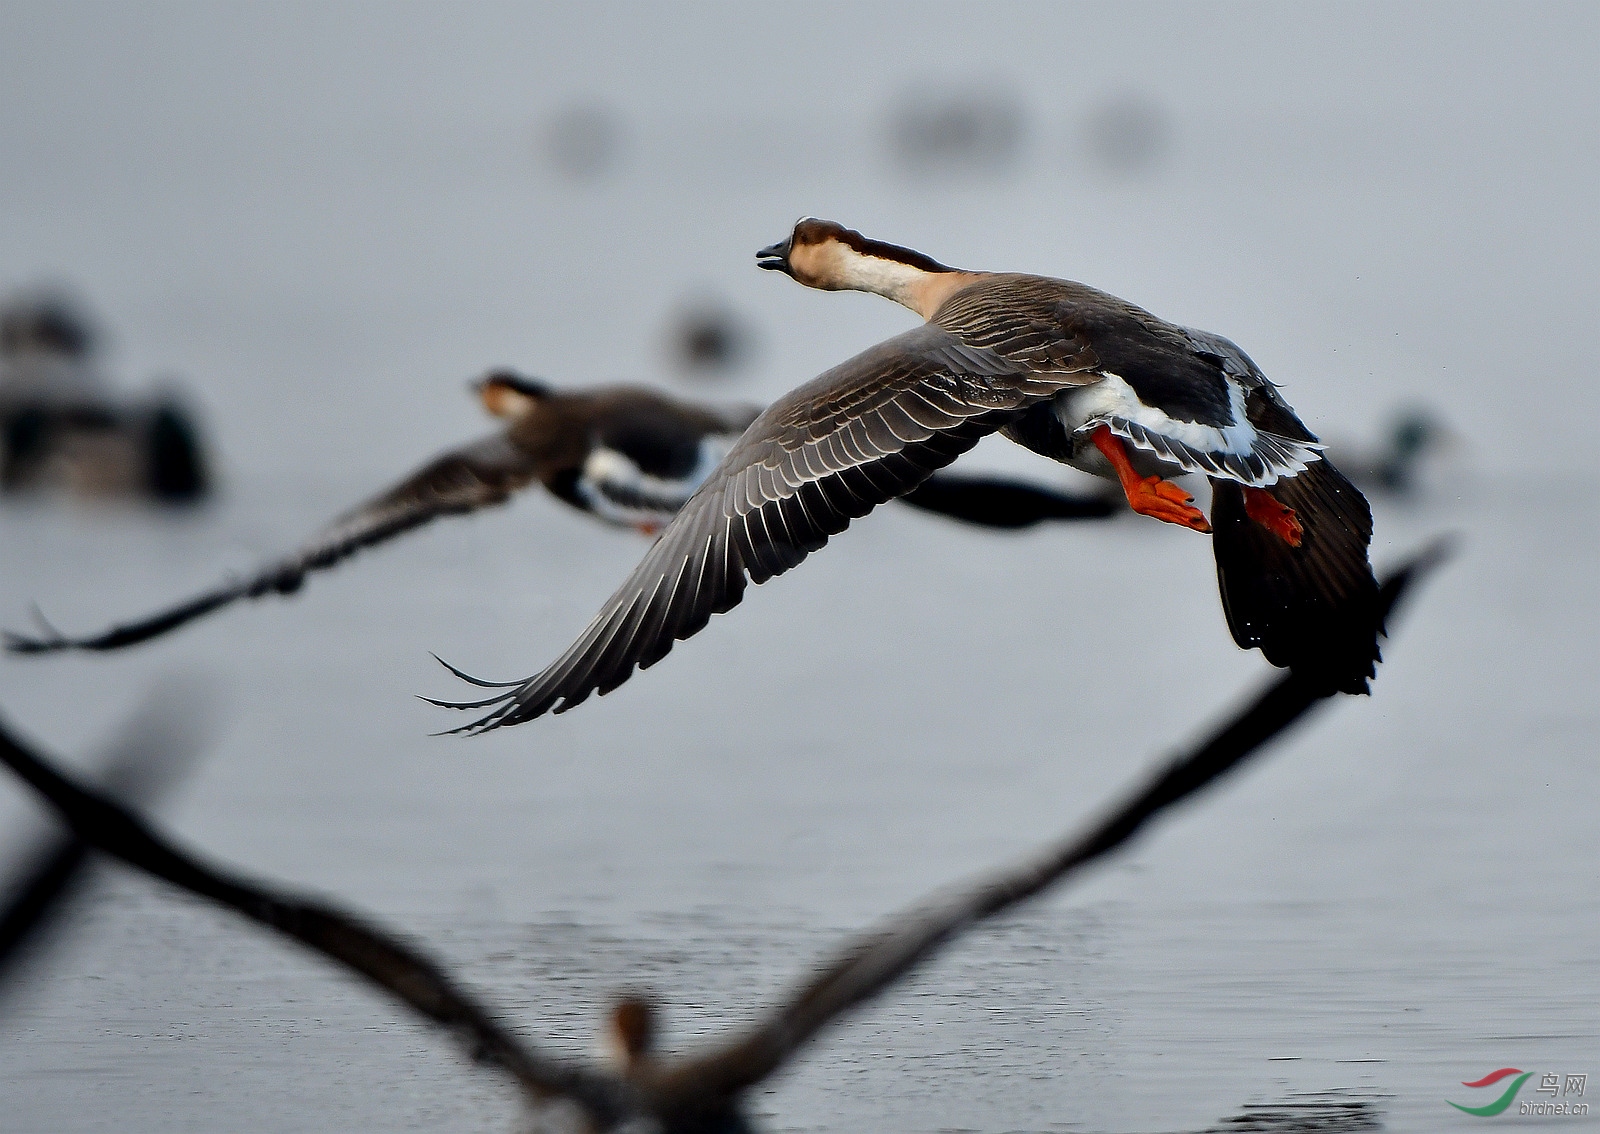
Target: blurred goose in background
[64, 429]
[626, 455]
[1070, 372]
[1407, 446]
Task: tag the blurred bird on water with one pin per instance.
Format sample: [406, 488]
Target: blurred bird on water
[1406, 458]
[62, 427]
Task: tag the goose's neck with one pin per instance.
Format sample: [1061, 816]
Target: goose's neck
[929, 293]
[918, 288]
[909, 278]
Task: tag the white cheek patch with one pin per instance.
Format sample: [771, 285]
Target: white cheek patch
[1237, 451]
[616, 490]
[869, 273]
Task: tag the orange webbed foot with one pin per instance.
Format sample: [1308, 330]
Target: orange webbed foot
[1279, 519]
[1166, 501]
[647, 528]
[1149, 495]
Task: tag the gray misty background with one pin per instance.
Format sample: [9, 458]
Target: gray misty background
[326, 219]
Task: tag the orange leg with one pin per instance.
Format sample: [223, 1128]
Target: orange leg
[1279, 519]
[1149, 495]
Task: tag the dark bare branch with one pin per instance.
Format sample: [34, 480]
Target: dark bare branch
[874, 962]
[376, 954]
[697, 1093]
[150, 754]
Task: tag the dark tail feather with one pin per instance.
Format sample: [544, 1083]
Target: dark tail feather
[1313, 608]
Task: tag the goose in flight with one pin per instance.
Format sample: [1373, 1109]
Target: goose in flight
[627, 455]
[1070, 372]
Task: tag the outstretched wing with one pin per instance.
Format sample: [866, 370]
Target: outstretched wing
[463, 480]
[862, 433]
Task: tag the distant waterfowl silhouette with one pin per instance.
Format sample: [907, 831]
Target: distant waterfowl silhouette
[64, 429]
[1410, 440]
[1067, 371]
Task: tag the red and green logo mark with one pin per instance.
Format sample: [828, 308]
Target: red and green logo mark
[1504, 1100]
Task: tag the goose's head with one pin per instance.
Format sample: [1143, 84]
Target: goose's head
[826, 255]
[506, 393]
[817, 253]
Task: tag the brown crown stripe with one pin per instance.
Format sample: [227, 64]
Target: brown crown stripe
[815, 232]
